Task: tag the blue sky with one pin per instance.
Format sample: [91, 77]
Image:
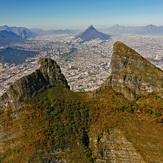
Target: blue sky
[61, 14]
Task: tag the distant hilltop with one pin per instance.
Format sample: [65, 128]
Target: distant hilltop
[92, 33]
[10, 35]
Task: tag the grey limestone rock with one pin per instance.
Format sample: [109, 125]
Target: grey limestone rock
[48, 73]
[132, 75]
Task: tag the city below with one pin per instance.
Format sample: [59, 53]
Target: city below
[86, 65]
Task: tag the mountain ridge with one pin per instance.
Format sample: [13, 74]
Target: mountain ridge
[23, 32]
[42, 120]
[148, 29]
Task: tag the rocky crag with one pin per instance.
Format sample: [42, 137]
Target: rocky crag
[49, 73]
[132, 75]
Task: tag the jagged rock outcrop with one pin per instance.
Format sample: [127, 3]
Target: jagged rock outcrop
[132, 75]
[48, 73]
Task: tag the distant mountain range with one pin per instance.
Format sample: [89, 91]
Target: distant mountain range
[18, 34]
[20, 31]
[115, 29]
[16, 56]
[149, 29]
[92, 33]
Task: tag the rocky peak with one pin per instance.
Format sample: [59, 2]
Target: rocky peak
[51, 71]
[133, 75]
[127, 59]
[91, 33]
[91, 27]
[48, 73]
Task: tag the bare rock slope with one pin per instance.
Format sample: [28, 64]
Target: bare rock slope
[132, 75]
[48, 73]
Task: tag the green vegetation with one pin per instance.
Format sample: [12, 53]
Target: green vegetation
[55, 118]
[140, 121]
[56, 122]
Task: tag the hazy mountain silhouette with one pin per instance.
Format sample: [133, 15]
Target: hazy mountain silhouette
[149, 29]
[92, 33]
[20, 31]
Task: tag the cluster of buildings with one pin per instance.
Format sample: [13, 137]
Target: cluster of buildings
[86, 67]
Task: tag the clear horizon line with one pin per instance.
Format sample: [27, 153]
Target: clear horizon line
[77, 28]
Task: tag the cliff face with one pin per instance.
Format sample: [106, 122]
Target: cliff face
[112, 146]
[132, 75]
[48, 73]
